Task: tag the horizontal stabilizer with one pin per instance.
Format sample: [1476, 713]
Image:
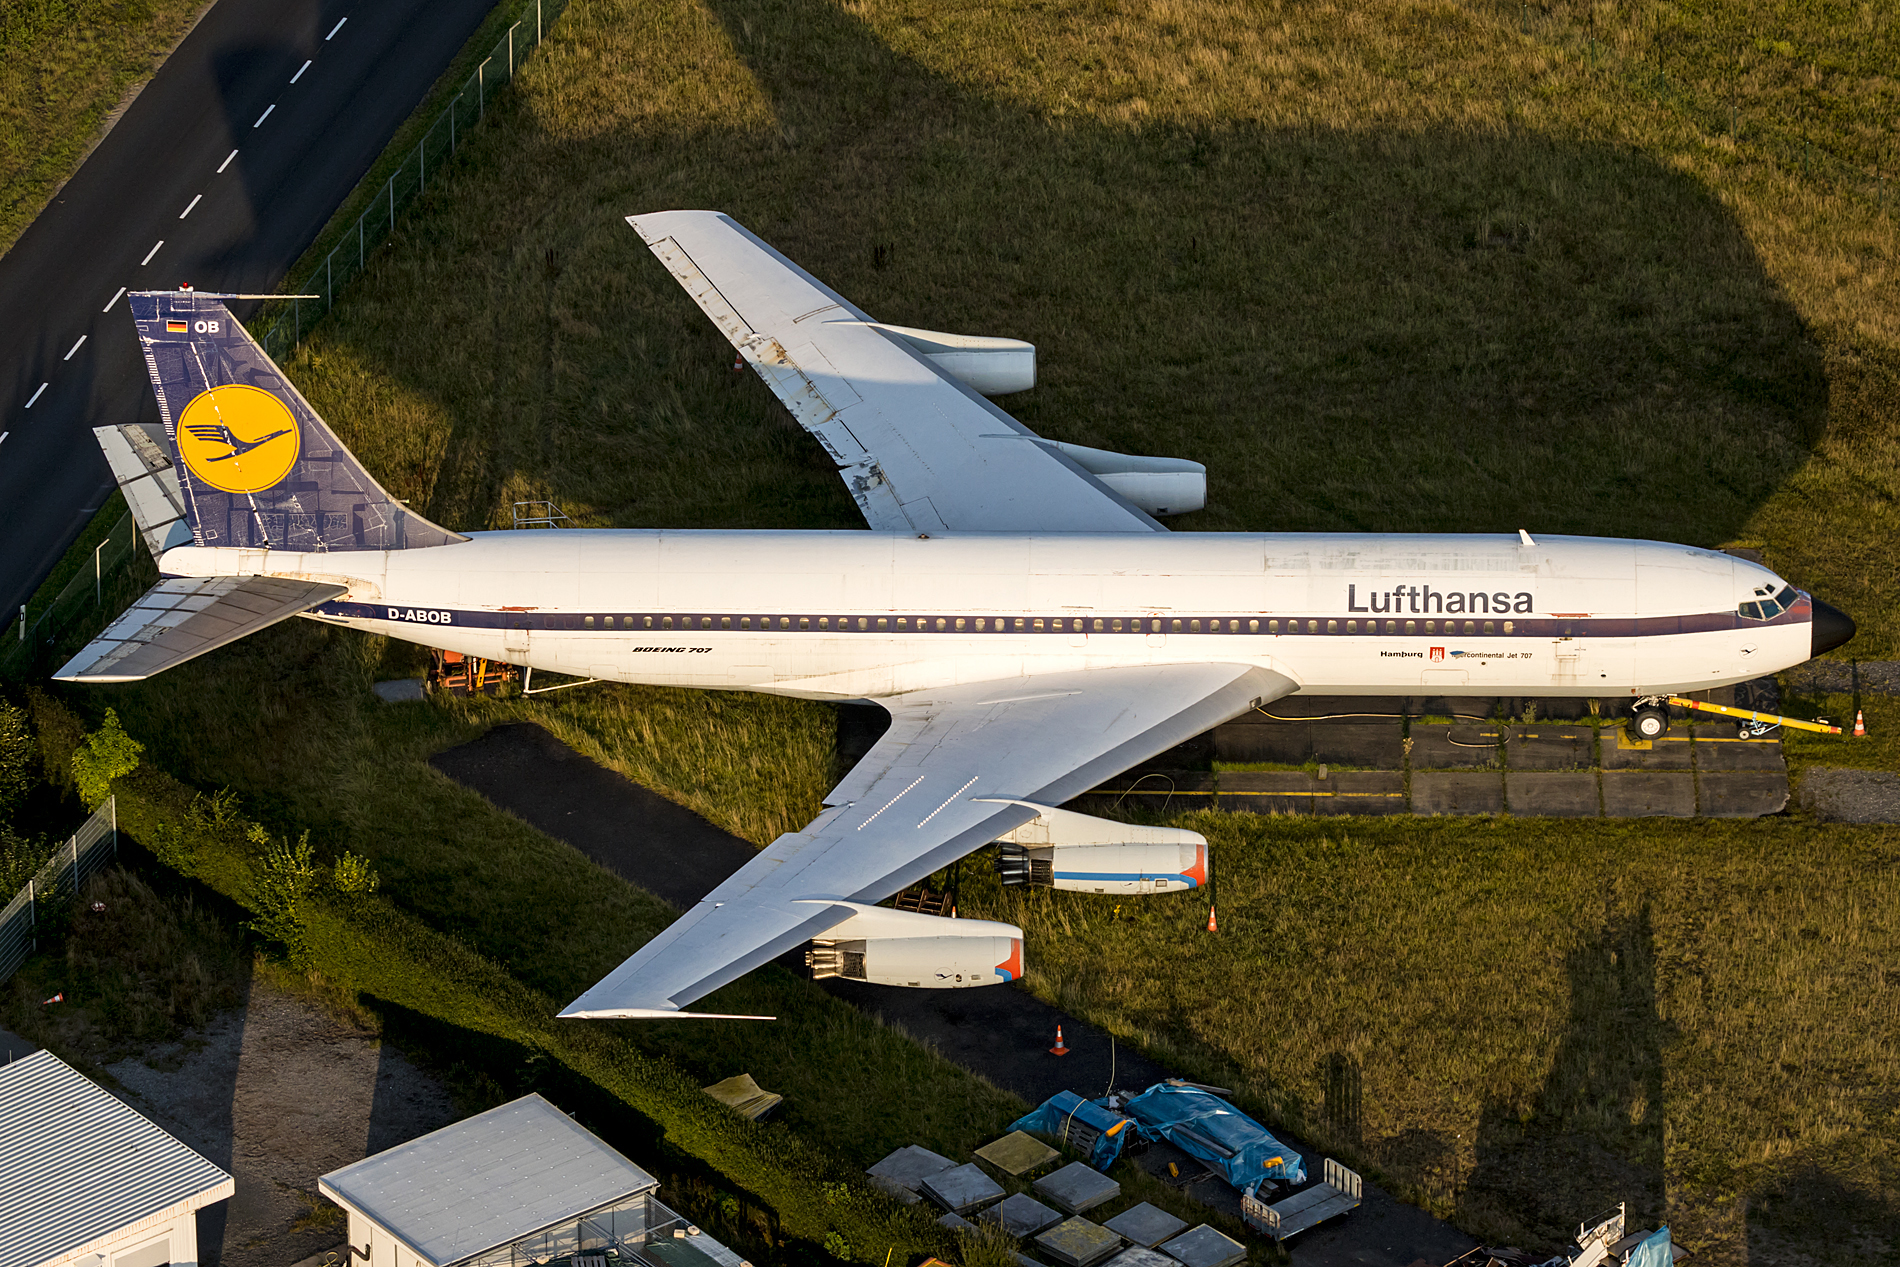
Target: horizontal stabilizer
[136, 454]
[182, 618]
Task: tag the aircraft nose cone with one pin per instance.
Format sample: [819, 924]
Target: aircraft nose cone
[1832, 627]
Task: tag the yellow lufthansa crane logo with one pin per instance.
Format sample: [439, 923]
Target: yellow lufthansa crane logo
[238, 439]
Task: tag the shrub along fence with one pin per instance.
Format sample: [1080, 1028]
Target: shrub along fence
[59, 881]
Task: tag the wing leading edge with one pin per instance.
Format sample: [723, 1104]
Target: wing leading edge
[919, 450]
[959, 767]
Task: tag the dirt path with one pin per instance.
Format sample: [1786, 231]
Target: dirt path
[1003, 1033]
[278, 1092]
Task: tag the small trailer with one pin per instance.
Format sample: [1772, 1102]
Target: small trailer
[1337, 1192]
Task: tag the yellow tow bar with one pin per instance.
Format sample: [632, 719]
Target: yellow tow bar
[1761, 718]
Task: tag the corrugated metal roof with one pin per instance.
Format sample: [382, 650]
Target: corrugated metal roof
[494, 1178]
[76, 1163]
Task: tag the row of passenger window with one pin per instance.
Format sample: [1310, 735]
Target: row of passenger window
[1036, 624]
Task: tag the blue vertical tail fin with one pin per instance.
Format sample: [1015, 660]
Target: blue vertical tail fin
[256, 465]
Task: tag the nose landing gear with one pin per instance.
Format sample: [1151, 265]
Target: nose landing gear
[1649, 718]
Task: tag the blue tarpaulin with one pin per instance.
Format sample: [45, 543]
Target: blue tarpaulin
[1653, 1252]
[1208, 1127]
[1050, 1118]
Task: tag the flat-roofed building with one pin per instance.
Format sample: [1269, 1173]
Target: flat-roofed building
[87, 1181]
[520, 1184]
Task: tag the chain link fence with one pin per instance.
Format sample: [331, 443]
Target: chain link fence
[93, 591]
[348, 257]
[87, 851]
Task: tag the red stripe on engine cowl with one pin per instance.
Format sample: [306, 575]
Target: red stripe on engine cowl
[1198, 872]
[1011, 969]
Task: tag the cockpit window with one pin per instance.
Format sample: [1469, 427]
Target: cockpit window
[1769, 608]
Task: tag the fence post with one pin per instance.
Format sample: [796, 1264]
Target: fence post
[537, 21]
[74, 845]
[98, 583]
[113, 802]
[511, 51]
[481, 91]
[32, 912]
[392, 200]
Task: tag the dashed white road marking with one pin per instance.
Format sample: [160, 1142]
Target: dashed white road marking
[227, 162]
[36, 395]
[4, 435]
[148, 256]
[74, 348]
[300, 70]
[260, 118]
[120, 291]
[334, 30]
[187, 210]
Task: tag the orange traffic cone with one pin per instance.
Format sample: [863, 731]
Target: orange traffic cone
[1058, 1049]
[1860, 725]
[1212, 927]
[738, 364]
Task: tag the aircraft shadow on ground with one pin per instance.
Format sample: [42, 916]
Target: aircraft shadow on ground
[1418, 329]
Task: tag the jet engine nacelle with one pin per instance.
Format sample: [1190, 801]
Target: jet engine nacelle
[881, 946]
[1160, 486]
[990, 365]
[1065, 850]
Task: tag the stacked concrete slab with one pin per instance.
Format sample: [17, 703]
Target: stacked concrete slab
[1465, 766]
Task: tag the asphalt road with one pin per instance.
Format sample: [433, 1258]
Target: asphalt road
[220, 175]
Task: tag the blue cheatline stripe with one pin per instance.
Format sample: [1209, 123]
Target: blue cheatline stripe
[1004, 973]
[620, 624]
[1129, 875]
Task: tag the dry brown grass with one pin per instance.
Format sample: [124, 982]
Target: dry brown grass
[65, 65]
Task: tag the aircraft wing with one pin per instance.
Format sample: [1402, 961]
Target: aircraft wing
[919, 450]
[947, 778]
[182, 618]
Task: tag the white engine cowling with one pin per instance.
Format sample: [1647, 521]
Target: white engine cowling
[1160, 486]
[1066, 850]
[881, 946]
[990, 365]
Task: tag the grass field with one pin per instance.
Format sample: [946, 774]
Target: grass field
[64, 67]
[1578, 268]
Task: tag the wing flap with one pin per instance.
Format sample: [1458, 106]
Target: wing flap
[149, 481]
[182, 618]
[959, 767]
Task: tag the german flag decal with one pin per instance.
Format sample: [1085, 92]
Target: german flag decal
[174, 327]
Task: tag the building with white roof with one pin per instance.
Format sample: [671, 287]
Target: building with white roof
[86, 1181]
[520, 1184]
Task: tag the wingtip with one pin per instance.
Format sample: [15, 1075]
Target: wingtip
[651, 1014]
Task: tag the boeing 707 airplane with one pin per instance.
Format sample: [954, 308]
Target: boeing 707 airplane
[1017, 606]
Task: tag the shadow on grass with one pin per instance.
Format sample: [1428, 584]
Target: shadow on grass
[1405, 329]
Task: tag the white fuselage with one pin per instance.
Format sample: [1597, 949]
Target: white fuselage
[846, 615]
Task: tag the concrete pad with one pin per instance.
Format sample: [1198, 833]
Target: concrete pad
[956, 1223]
[1255, 738]
[1648, 794]
[1542, 747]
[1205, 1247]
[1157, 790]
[1360, 792]
[961, 1189]
[1021, 1215]
[1441, 792]
[401, 690]
[1852, 796]
[1017, 1153]
[1078, 1243]
[1461, 746]
[1742, 793]
[903, 1172]
[1267, 792]
[1726, 752]
[1372, 742]
[1145, 1225]
[1077, 1187]
[1136, 1256]
[1553, 793]
[1671, 752]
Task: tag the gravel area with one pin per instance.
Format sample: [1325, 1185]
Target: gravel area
[1852, 796]
[278, 1092]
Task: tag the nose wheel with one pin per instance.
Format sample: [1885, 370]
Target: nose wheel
[1649, 720]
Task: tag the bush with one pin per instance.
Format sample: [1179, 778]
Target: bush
[352, 874]
[288, 877]
[107, 754]
[16, 761]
